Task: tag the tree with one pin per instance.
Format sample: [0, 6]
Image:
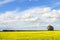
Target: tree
[50, 27]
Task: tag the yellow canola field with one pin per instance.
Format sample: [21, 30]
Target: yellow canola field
[30, 35]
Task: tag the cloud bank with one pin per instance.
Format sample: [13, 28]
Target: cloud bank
[33, 18]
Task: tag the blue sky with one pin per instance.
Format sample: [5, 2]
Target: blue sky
[29, 14]
[25, 4]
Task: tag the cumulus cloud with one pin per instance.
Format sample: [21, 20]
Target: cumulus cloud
[5, 1]
[32, 18]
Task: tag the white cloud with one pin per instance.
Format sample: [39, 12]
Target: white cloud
[57, 3]
[29, 19]
[5, 1]
[34, 0]
[21, 1]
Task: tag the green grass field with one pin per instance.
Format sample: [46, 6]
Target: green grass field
[30, 35]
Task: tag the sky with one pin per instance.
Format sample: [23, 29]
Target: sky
[29, 14]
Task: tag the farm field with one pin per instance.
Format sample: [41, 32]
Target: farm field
[30, 35]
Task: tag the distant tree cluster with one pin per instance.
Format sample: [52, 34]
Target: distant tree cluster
[50, 27]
